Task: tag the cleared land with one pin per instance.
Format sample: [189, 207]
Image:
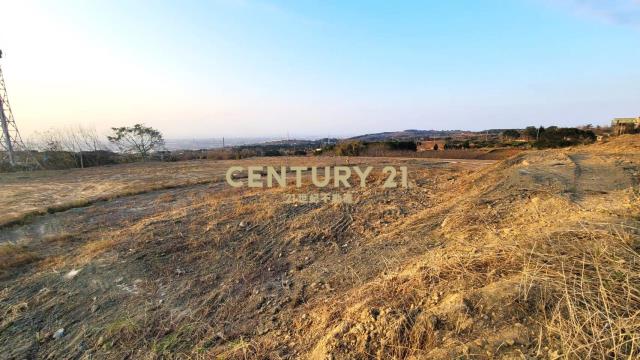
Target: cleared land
[533, 256]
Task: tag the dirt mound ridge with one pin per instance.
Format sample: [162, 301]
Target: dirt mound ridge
[537, 258]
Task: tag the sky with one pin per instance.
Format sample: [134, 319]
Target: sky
[237, 68]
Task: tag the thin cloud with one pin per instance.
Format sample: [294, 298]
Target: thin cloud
[620, 12]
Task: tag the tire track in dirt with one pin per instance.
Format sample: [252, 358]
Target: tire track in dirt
[575, 195]
[600, 176]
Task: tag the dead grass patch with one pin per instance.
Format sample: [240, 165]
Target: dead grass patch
[592, 281]
[12, 255]
[60, 238]
[97, 247]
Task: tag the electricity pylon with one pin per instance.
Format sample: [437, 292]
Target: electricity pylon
[12, 148]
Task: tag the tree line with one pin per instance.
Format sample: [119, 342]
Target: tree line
[79, 146]
[552, 136]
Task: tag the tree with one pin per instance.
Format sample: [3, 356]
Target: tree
[511, 133]
[531, 132]
[66, 145]
[77, 140]
[138, 139]
[554, 136]
[349, 148]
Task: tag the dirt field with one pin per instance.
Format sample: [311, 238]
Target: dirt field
[35, 193]
[532, 257]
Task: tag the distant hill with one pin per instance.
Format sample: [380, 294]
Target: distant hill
[212, 143]
[413, 134]
[410, 134]
[300, 142]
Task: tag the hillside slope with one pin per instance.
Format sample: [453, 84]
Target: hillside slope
[538, 258]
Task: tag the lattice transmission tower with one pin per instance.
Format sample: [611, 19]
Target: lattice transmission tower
[12, 148]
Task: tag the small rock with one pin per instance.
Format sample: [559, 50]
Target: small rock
[71, 274]
[59, 333]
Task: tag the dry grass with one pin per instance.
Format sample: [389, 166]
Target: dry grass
[502, 263]
[95, 248]
[12, 256]
[577, 294]
[525, 268]
[26, 195]
[59, 238]
[590, 284]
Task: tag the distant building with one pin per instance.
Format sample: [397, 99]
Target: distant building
[430, 145]
[625, 125]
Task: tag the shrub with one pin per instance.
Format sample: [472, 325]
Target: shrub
[349, 148]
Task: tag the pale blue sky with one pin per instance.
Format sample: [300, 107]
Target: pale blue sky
[265, 68]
